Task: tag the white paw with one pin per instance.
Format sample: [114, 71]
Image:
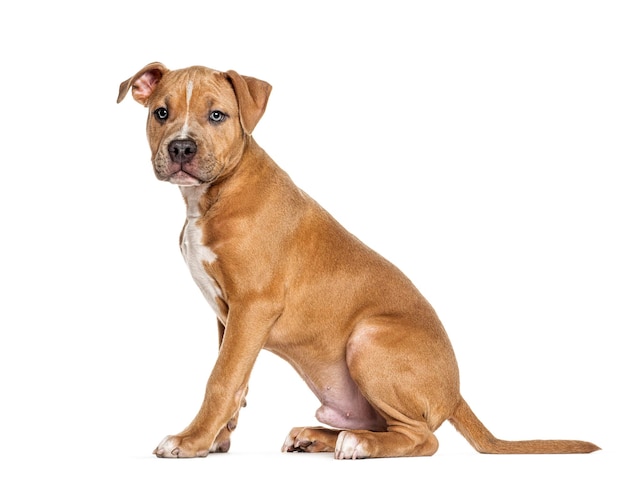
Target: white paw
[171, 447]
[348, 447]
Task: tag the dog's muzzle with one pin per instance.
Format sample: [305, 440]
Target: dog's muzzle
[182, 168]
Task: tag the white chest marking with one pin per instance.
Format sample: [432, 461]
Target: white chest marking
[194, 251]
[196, 254]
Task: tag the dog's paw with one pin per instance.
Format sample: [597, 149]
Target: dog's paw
[310, 440]
[350, 446]
[179, 447]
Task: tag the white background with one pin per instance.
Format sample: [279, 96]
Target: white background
[477, 145]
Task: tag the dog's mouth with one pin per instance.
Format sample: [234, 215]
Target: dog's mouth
[184, 170]
[182, 178]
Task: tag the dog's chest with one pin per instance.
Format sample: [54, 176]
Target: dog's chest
[197, 256]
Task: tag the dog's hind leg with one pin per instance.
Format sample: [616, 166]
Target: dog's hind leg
[405, 441]
[408, 373]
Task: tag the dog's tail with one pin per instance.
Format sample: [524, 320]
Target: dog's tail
[466, 423]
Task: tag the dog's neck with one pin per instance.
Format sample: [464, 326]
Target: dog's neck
[254, 168]
[197, 197]
[192, 196]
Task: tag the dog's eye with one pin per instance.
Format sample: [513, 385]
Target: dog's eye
[161, 114]
[216, 116]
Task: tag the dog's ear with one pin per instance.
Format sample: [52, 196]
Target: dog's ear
[143, 83]
[252, 95]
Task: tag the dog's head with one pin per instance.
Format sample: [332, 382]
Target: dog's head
[199, 119]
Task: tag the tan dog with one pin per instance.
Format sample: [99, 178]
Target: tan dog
[283, 275]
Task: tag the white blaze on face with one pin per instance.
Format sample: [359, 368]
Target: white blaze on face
[185, 130]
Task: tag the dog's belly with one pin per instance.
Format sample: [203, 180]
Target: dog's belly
[342, 404]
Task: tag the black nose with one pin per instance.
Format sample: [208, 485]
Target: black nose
[182, 151]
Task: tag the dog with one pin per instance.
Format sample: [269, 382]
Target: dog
[281, 274]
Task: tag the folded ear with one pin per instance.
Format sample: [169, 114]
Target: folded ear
[252, 95]
[143, 83]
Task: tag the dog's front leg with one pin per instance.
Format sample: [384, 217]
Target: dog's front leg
[222, 442]
[244, 337]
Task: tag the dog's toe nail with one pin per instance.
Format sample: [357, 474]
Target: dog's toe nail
[175, 451]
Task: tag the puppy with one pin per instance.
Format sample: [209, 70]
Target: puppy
[282, 275]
